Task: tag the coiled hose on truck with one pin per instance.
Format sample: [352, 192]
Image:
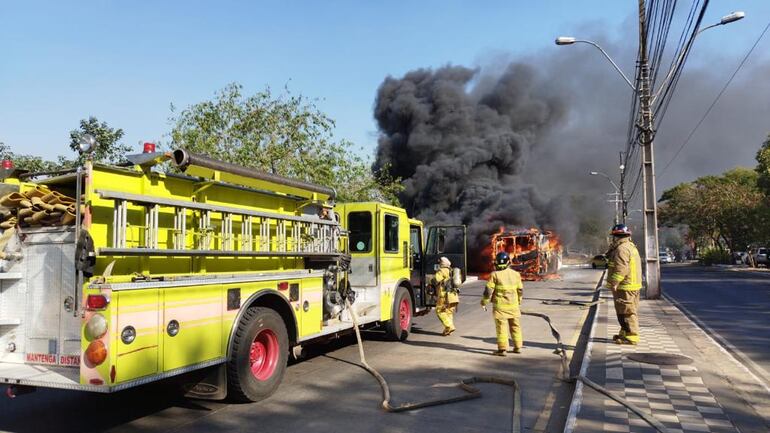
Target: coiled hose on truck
[472, 392]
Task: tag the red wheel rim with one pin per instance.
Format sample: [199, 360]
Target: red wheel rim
[263, 354]
[404, 314]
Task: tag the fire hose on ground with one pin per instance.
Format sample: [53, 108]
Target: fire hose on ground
[472, 392]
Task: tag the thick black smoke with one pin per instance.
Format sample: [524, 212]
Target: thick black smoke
[461, 139]
[512, 143]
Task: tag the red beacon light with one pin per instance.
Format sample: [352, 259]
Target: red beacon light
[149, 148]
[7, 164]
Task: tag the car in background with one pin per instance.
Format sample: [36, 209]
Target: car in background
[665, 257]
[599, 261]
[760, 257]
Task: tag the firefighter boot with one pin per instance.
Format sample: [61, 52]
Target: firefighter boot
[499, 352]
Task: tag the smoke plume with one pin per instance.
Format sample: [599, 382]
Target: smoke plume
[511, 143]
[460, 139]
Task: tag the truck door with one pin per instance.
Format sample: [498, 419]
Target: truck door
[443, 241]
[361, 235]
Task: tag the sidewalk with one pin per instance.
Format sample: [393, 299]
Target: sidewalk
[676, 395]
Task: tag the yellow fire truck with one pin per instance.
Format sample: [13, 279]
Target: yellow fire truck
[116, 276]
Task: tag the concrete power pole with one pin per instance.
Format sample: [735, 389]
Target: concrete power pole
[652, 262]
[623, 203]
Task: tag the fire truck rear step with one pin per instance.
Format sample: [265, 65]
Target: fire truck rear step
[41, 375]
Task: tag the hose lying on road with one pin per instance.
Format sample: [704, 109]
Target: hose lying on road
[472, 392]
[583, 304]
[634, 408]
[559, 346]
[465, 384]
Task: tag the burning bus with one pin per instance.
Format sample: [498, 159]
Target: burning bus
[535, 254]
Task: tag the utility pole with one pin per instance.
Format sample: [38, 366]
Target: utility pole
[645, 123]
[652, 262]
[623, 203]
[616, 201]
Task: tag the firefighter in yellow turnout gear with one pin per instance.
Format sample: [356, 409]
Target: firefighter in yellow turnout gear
[504, 289]
[624, 279]
[446, 300]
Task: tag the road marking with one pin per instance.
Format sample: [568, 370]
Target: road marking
[733, 351]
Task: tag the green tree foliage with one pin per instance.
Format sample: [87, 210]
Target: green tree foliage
[109, 148]
[721, 211]
[26, 162]
[763, 167]
[286, 135]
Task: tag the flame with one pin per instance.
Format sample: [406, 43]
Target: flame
[534, 253]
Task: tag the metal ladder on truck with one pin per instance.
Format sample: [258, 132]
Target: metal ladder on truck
[261, 233]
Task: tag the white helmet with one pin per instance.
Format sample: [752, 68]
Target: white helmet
[444, 262]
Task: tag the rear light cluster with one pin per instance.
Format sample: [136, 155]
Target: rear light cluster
[95, 329]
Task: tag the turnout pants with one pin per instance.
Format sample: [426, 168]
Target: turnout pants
[508, 320]
[626, 307]
[446, 305]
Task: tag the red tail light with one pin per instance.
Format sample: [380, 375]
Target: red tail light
[97, 302]
[149, 147]
[283, 285]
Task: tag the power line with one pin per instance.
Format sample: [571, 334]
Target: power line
[721, 92]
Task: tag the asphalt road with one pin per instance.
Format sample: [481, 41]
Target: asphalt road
[329, 392]
[734, 306]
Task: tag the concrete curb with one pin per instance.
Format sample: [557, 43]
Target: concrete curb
[577, 396]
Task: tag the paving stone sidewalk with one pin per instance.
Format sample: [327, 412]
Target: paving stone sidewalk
[674, 394]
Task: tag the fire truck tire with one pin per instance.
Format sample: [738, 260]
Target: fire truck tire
[400, 325]
[259, 355]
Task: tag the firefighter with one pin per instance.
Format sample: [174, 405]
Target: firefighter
[504, 289]
[624, 279]
[446, 298]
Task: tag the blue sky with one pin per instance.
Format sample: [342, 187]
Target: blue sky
[126, 62]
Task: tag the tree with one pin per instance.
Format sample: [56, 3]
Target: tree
[26, 162]
[763, 167]
[725, 211]
[286, 135]
[109, 148]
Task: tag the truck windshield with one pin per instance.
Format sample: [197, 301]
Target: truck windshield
[360, 230]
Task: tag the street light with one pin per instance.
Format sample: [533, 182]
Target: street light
[646, 126]
[727, 19]
[618, 197]
[569, 40]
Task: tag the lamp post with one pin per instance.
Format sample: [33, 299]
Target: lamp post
[645, 124]
[618, 194]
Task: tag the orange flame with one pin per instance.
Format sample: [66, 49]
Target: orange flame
[535, 254]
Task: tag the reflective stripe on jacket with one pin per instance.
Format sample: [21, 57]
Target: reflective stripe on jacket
[624, 266]
[504, 289]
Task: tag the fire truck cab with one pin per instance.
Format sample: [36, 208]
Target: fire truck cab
[115, 276]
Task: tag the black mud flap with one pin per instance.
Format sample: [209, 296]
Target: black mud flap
[207, 384]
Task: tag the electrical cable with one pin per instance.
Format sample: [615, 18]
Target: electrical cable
[719, 95]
